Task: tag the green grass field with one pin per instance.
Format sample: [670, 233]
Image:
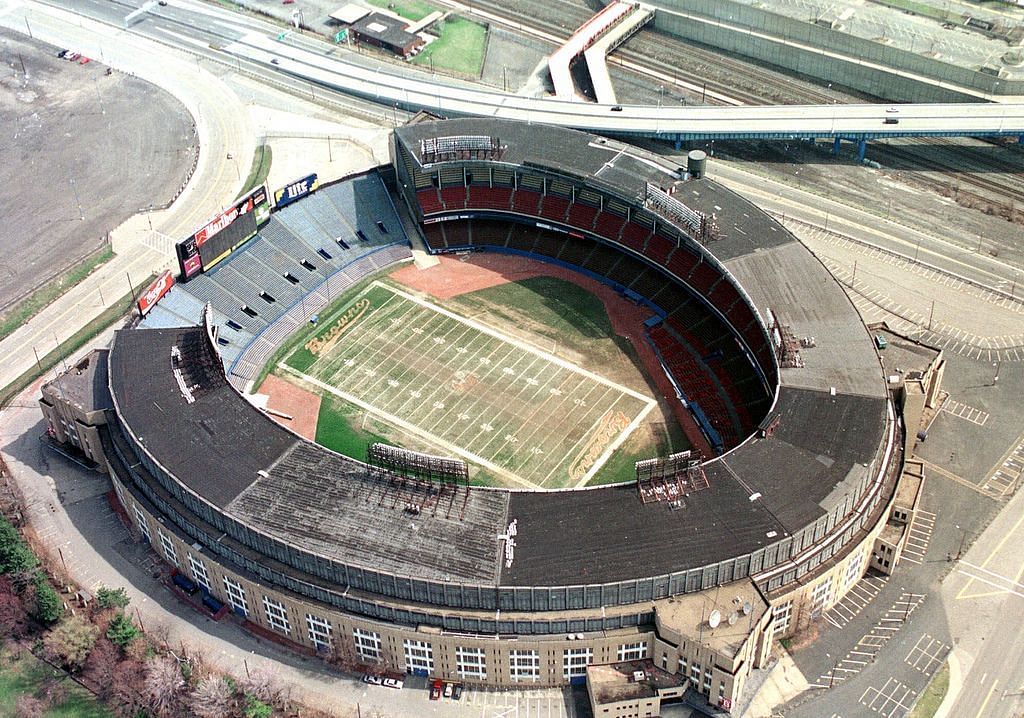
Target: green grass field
[460, 47]
[26, 674]
[409, 9]
[525, 416]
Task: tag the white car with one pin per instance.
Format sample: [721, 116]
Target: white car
[393, 683]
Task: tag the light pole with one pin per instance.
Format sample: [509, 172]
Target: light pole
[995, 375]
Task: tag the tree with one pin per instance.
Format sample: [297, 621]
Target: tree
[99, 666]
[15, 556]
[164, 684]
[112, 597]
[263, 684]
[122, 631]
[49, 607]
[71, 641]
[213, 697]
[13, 616]
[127, 691]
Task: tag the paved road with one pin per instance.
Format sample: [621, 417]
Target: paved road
[223, 127]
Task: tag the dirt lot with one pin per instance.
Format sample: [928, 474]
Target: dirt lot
[82, 151]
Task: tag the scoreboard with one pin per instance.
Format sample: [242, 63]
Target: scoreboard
[224, 233]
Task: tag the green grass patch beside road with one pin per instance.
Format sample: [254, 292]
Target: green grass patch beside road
[460, 47]
[933, 695]
[31, 305]
[261, 161]
[409, 9]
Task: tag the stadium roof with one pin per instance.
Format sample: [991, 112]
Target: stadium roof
[832, 419]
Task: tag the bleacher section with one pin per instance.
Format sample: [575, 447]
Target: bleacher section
[306, 253]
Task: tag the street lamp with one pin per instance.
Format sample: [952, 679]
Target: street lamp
[995, 376]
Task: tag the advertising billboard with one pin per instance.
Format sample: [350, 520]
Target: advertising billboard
[295, 191]
[195, 256]
[155, 292]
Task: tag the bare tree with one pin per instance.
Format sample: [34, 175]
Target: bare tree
[164, 685]
[127, 690]
[262, 683]
[212, 698]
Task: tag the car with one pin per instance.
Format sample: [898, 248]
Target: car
[393, 683]
[61, 53]
[448, 688]
[72, 56]
[457, 693]
[274, 61]
[372, 679]
[893, 109]
[162, 3]
[617, 108]
[435, 690]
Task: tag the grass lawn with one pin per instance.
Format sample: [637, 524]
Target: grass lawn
[409, 9]
[261, 160]
[335, 429]
[459, 47]
[27, 674]
[561, 311]
[31, 305]
[931, 699]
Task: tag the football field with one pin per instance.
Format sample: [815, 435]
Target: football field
[469, 390]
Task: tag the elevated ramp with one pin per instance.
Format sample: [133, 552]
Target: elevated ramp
[584, 37]
[616, 35]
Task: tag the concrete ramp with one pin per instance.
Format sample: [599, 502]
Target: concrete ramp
[616, 35]
[585, 36]
[136, 14]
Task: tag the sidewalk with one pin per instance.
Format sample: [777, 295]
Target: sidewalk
[223, 127]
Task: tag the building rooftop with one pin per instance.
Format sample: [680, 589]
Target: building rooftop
[386, 29]
[83, 385]
[691, 616]
[629, 680]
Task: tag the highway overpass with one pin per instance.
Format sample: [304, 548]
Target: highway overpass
[858, 123]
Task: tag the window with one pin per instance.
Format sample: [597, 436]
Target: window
[319, 631]
[277, 615]
[820, 597]
[419, 656]
[199, 572]
[140, 519]
[575, 661]
[249, 311]
[267, 298]
[168, 547]
[382, 227]
[236, 596]
[853, 569]
[524, 666]
[234, 325]
[290, 277]
[309, 266]
[781, 616]
[470, 663]
[682, 666]
[632, 651]
[721, 690]
[707, 680]
[695, 674]
[367, 644]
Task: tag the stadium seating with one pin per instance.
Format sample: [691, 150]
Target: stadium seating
[658, 248]
[609, 225]
[553, 207]
[429, 200]
[582, 215]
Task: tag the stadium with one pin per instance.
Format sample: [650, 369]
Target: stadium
[692, 561]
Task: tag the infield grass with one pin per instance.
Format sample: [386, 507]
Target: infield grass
[526, 416]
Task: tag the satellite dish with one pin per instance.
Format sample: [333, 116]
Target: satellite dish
[715, 618]
[733, 617]
[746, 608]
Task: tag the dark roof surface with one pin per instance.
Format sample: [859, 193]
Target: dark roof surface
[387, 29]
[215, 445]
[316, 499]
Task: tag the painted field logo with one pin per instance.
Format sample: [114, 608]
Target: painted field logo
[327, 340]
[610, 425]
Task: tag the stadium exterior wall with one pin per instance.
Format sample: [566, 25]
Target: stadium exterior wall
[789, 612]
